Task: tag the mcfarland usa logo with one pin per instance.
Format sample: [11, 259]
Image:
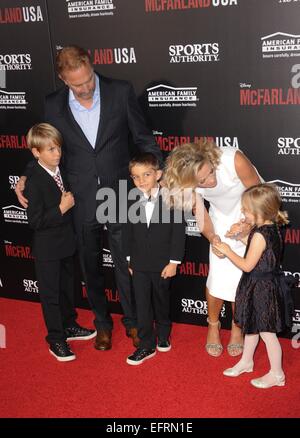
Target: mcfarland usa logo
[280, 45]
[30, 286]
[13, 142]
[18, 251]
[15, 61]
[268, 96]
[288, 146]
[90, 8]
[202, 52]
[166, 96]
[174, 5]
[25, 14]
[168, 143]
[288, 192]
[292, 236]
[14, 214]
[117, 55]
[12, 100]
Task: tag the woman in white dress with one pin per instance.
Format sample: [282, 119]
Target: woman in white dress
[220, 176]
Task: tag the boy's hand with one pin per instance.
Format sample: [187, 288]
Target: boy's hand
[66, 202]
[222, 247]
[169, 270]
[19, 191]
[239, 230]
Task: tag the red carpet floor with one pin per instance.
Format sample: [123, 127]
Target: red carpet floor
[184, 382]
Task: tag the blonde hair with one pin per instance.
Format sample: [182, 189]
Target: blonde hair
[264, 201]
[40, 134]
[182, 166]
[71, 58]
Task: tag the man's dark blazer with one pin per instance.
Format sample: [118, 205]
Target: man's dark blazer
[151, 248]
[54, 236]
[120, 115]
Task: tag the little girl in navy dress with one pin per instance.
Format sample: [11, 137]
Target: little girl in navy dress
[259, 309]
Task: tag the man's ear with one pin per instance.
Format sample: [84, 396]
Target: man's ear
[35, 153]
[158, 174]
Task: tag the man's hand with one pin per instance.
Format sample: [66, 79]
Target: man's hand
[222, 248]
[239, 230]
[213, 241]
[66, 202]
[19, 191]
[169, 270]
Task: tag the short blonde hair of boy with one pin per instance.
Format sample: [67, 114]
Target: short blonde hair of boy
[264, 200]
[39, 135]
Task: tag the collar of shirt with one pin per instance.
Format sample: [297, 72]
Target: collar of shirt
[57, 172]
[153, 195]
[73, 102]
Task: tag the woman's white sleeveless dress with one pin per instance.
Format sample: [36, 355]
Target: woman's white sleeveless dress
[224, 210]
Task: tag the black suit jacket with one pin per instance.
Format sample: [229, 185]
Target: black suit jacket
[151, 248]
[54, 236]
[120, 115]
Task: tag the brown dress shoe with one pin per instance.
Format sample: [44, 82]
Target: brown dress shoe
[103, 340]
[132, 333]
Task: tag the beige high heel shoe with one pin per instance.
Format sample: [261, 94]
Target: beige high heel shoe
[261, 383]
[214, 349]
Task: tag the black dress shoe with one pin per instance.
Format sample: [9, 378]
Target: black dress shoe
[61, 351]
[163, 346]
[140, 355]
[133, 334]
[78, 333]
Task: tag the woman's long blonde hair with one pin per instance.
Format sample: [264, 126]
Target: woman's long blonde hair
[182, 165]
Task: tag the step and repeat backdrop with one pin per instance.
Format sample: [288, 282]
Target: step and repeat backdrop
[226, 69]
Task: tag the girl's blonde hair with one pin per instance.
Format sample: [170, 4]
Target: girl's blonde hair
[182, 166]
[264, 201]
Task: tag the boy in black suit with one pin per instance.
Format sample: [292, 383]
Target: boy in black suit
[49, 214]
[154, 246]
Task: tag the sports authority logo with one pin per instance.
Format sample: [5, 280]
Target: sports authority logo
[289, 192]
[26, 14]
[288, 146]
[166, 96]
[30, 286]
[18, 251]
[15, 61]
[268, 96]
[117, 55]
[168, 143]
[13, 100]
[188, 305]
[294, 274]
[13, 142]
[107, 260]
[13, 180]
[201, 52]
[90, 8]
[280, 45]
[175, 5]
[14, 214]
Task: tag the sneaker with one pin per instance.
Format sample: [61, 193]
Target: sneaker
[78, 333]
[61, 351]
[140, 355]
[163, 346]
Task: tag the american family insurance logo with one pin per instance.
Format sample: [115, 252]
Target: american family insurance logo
[13, 100]
[117, 55]
[268, 96]
[90, 8]
[14, 61]
[288, 146]
[280, 45]
[194, 53]
[182, 5]
[289, 192]
[14, 214]
[18, 15]
[166, 96]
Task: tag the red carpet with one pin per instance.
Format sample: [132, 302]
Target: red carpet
[184, 382]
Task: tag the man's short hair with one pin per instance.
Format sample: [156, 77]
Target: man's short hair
[71, 58]
[39, 135]
[145, 159]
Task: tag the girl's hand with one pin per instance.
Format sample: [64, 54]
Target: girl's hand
[239, 230]
[213, 241]
[223, 248]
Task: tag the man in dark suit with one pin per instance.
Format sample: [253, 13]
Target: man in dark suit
[154, 246]
[49, 214]
[95, 116]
